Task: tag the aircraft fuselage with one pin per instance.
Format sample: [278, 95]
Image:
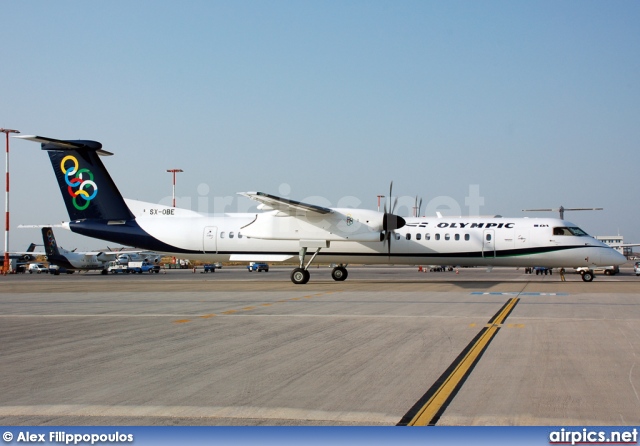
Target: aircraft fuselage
[467, 241]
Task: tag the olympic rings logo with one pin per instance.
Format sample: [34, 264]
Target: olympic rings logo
[349, 220]
[78, 182]
[52, 241]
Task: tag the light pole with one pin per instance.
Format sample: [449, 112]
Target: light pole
[5, 266]
[379, 197]
[174, 171]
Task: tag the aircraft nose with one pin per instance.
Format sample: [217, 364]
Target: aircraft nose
[612, 257]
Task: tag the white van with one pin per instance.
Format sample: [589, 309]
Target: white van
[37, 268]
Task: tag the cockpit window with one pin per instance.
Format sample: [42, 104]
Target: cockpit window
[569, 231]
[577, 231]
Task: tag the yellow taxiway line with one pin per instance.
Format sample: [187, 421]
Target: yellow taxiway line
[430, 410]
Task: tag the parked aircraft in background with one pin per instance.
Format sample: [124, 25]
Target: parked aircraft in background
[72, 261]
[19, 259]
[286, 229]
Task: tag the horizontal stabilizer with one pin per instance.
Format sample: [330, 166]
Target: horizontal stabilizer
[57, 144]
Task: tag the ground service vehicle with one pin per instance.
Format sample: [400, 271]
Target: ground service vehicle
[143, 267]
[133, 267]
[258, 266]
[606, 270]
[37, 268]
[114, 267]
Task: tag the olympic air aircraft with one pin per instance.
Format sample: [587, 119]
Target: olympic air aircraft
[285, 229]
[85, 261]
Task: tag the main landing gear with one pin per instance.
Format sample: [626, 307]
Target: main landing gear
[339, 273]
[301, 275]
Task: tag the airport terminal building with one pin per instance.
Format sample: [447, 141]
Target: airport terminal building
[615, 241]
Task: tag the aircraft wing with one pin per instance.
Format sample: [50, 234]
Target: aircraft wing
[25, 256]
[285, 205]
[111, 255]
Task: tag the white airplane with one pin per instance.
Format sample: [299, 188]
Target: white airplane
[286, 229]
[85, 261]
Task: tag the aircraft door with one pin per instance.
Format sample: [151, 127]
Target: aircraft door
[209, 239]
[488, 244]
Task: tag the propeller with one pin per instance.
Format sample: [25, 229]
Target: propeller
[391, 221]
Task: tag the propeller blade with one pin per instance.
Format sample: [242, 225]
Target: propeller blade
[391, 222]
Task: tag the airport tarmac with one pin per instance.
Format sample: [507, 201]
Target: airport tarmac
[388, 346]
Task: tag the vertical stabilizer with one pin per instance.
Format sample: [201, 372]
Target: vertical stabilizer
[50, 245]
[87, 189]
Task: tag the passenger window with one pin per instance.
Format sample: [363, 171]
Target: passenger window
[457, 236]
[466, 237]
[222, 235]
[488, 237]
[231, 234]
[437, 236]
[447, 237]
[408, 236]
[418, 236]
[397, 236]
[427, 236]
[239, 234]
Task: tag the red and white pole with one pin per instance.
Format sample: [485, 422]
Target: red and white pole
[379, 197]
[174, 171]
[6, 265]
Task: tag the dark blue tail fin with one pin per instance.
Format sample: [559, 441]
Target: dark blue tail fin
[86, 186]
[50, 245]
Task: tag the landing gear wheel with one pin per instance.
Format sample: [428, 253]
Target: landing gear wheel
[300, 276]
[587, 276]
[339, 273]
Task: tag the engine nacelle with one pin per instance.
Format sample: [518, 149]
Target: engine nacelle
[358, 225]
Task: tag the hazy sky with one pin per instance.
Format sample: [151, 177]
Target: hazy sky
[530, 103]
